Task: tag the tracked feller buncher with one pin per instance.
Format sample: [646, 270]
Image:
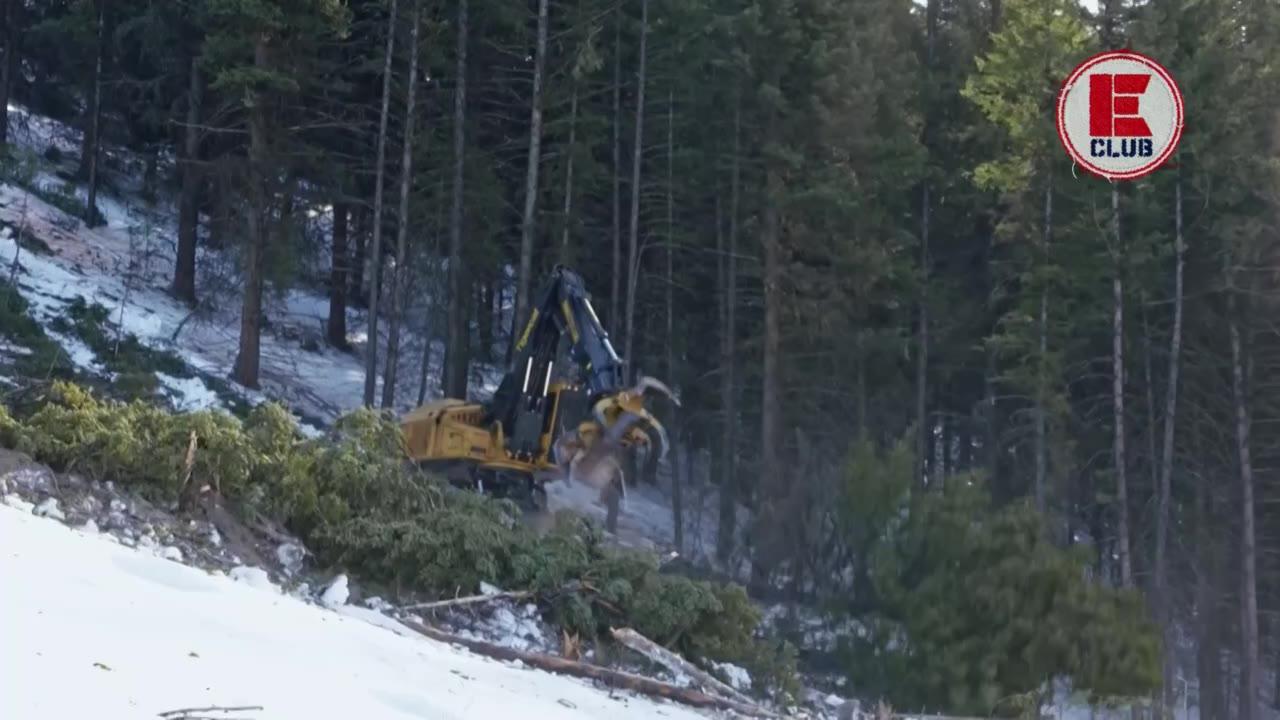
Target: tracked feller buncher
[563, 411]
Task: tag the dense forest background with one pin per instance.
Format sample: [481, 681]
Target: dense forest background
[939, 364]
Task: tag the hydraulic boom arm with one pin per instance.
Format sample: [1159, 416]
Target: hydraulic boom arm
[563, 311]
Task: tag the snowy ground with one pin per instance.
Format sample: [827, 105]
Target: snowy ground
[93, 629]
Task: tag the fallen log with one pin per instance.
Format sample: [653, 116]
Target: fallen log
[675, 663]
[613, 678]
[471, 599]
[186, 712]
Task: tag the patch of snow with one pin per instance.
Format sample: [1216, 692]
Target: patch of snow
[302, 592]
[16, 502]
[374, 617]
[169, 552]
[159, 636]
[487, 589]
[49, 509]
[9, 348]
[189, 394]
[253, 577]
[377, 604]
[291, 556]
[89, 526]
[518, 628]
[31, 478]
[337, 593]
[739, 678]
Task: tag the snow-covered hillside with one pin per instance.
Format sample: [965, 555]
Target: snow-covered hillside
[93, 629]
[126, 265]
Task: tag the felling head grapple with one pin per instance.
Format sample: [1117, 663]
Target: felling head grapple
[543, 422]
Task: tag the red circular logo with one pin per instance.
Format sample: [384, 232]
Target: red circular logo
[1120, 115]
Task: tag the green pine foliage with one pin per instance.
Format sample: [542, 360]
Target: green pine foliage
[977, 605]
[357, 502]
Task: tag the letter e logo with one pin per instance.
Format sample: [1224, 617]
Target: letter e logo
[1120, 115]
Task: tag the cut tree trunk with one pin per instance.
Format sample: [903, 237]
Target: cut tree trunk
[184, 266]
[400, 278]
[336, 329]
[470, 600]
[375, 287]
[527, 226]
[679, 665]
[612, 678]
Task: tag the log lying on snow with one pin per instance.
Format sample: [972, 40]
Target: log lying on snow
[613, 678]
[470, 600]
[676, 664]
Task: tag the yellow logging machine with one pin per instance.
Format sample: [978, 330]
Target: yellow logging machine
[555, 415]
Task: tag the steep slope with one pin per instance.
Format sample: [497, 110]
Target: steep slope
[95, 629]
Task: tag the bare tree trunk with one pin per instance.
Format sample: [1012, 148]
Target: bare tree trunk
[1208, 653]
[568, 175]
[924, 431]
[1166, 450]
[184, 267]
[359, 241]
[400, 278]
[531, 176]
[1148, 375]
[1250, 681]
[922, 351]
[633, 241]
[428, 333]
[772, 486]
[89, 150]
[249, 356]
[337, 325]
[1117, 398]
[615, 293]
[375, 285]
[1041, 379]
[455, 358]
[729, 481]
[9, 11]
[677, 501]
[612, 678]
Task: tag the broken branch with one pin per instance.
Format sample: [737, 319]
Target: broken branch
[675, 663]
[470, 600]
[188, 495]
[613, 678]
[211, 708]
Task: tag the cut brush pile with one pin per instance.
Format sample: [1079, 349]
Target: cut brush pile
[357, 504]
